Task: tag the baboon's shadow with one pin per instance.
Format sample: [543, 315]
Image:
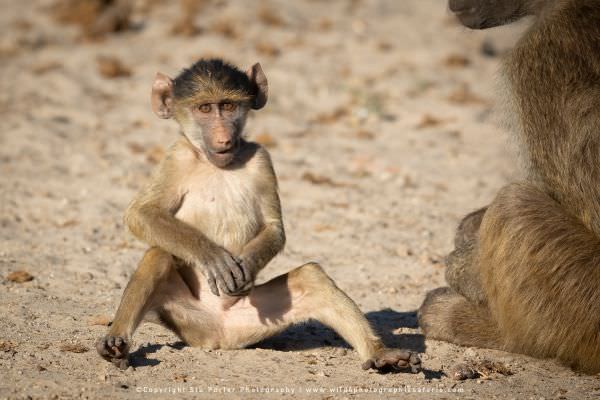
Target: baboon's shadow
[139, 357]
[313, 334]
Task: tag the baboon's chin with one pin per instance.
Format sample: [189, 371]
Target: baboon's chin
[220, 160]
[472, 21]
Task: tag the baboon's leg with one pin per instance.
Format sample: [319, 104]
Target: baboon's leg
[446, 315]
[540, 267]
[462, 272]
[304, 293]
[136, 301]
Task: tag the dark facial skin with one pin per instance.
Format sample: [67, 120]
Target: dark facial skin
[221, 125]
[214, 128]
[483, 14]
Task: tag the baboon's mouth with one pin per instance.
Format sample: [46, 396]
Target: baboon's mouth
[225, 156]
[227, 151]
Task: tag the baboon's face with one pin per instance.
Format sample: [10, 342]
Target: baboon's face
[211, 100]
[216, 129]
[482, 14]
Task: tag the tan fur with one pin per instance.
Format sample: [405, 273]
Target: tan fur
[210, 205]
[194, 214]
[177, 213]
[467, 323]
[536, 257]
[540, 269]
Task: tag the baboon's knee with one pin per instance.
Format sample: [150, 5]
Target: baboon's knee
[458, 264]
[155, 260]
[309, 275]
[156, 255]
[468, 228]
[462, 273]
[313, 271]
[309, 270]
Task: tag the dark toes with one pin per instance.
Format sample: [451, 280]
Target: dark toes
[103, 347]
[368, 364]
[113, 348]
[393, 357]
[415, 363]
[394, 360]
[121, 363]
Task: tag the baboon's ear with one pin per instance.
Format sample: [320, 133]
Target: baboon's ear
[162, 96]
[256, 75]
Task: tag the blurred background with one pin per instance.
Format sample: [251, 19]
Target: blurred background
[382, 126]
[389, 99]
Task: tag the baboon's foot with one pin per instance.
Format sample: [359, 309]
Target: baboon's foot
[387, 360]
[446, 315]
[436, 313]
[114, 349]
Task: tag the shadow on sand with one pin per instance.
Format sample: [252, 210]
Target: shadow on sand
[312, 335]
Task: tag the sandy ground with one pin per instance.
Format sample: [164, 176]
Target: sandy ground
[381, 128]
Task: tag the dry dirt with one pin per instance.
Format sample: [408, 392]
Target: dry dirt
[381, 128]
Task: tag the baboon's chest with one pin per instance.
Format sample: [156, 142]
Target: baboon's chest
[225, 208]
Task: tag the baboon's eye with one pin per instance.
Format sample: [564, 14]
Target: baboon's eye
[205, 108]
[229, 106]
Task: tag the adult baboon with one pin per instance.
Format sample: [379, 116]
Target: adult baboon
[525, 275]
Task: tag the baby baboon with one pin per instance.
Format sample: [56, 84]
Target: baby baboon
[525, 275]
[213, 208]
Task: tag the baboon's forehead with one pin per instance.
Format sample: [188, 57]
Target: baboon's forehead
[212, 81]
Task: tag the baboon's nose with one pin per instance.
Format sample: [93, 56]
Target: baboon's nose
[224, 142]
[223, 139]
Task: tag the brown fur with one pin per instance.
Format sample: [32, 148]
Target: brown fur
[536, 258]
[460, 274]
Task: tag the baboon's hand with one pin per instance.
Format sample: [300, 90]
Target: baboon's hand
[249, 269]
[223, 272]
